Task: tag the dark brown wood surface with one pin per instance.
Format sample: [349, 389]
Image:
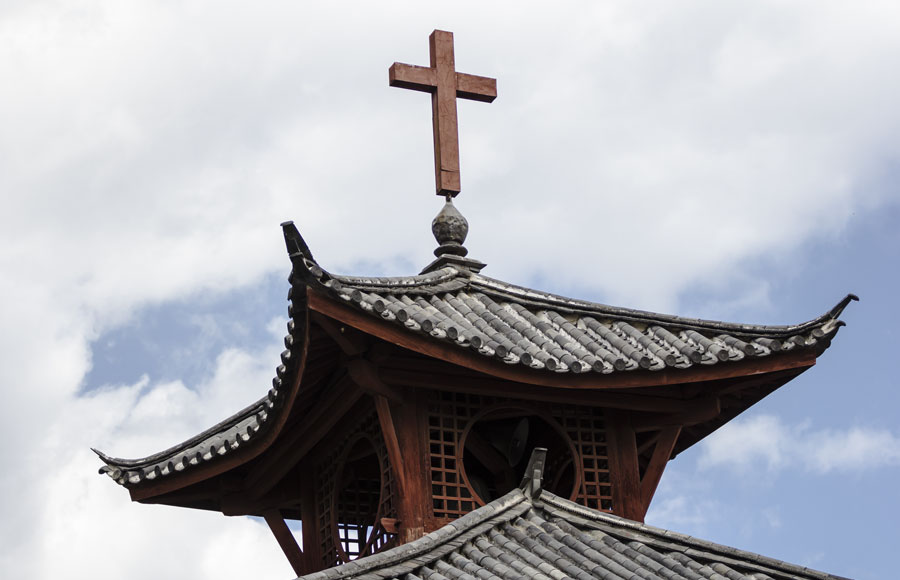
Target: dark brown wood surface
[311, 541]
[298, 442]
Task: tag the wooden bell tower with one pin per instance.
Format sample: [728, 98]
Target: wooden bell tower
[402, 404]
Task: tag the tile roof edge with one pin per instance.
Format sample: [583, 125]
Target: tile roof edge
[472, 523]
[543, 299]
[675, 540]
[216, 429]
[302, 257]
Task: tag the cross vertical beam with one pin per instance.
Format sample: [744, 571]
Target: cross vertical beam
[445, 85]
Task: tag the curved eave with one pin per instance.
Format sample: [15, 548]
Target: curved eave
[503, 330]
[535, 337]
[478, 360]
[231, 442]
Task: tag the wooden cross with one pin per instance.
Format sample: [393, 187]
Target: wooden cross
[445, 86]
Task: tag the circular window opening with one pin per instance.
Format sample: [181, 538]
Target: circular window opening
[357, 499]
[496, 447]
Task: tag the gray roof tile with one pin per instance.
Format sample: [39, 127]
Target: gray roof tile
[542, 331]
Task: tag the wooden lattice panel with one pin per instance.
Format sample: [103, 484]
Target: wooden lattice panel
[586, 429]
[450, 413]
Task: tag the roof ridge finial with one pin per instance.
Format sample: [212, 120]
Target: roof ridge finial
[450, 229]
[534, 473]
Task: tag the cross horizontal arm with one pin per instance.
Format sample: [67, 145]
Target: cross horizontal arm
[476, 88]
[410, 76]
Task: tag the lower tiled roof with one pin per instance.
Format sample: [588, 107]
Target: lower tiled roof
[549, 538]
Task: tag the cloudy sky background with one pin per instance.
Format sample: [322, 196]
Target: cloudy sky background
[735, 161]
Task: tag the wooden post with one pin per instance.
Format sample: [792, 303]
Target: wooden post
[309, 517]
[624, 471]
[414, 504]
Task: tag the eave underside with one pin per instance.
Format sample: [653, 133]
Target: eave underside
[328, 395]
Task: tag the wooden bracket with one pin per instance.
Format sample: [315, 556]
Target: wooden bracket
[286, 540]
[701, 410]
[350, 340]
[386, 421]
[661, 454]
[365, 374]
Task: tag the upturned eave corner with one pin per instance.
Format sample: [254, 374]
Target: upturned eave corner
[505, 325]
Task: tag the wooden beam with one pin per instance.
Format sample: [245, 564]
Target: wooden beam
[395, 455]
[490, 386]
[703, 409]
[432, 347]
[297, 443]
[365, 374]
[312, 547]
[648, 444]
[240, 504]
[735, 385]
[286, 540]
[665, 444]
[624, 471]
[351, 341]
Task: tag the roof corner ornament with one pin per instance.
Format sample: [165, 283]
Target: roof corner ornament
[450, 229]
[534, 473]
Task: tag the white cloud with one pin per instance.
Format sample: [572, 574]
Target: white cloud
[854, 449]
[88, 524]
[766, 442]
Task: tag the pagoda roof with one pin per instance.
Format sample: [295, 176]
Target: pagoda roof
[536, 534]
[457, 305]
[543, 336]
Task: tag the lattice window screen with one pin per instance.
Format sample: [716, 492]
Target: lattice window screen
[342, 529]
[448, 415]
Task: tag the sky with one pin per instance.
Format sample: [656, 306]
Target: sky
[736, 161]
